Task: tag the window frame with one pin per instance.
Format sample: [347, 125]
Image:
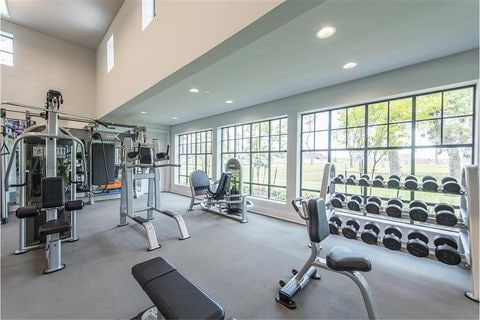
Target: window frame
[10, 36]
[195, 154]
[147, 18]
[412, 146]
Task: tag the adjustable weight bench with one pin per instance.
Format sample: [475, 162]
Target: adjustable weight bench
[173, 294]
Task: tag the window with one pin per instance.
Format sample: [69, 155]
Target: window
[110, 54]
[194, 152]
[427, 134]
[148, 12]
[262, 149]
[6, 49]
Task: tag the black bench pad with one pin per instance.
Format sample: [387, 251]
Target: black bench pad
[343, 259]
[175, 296]
[54, 226]
[26, 212]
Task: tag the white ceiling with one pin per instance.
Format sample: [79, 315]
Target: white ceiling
[83, 22]
[379, 35]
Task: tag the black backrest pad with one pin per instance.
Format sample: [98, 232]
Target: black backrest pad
[53, 192]
[317, 220]
[200, 182]
[223, 183]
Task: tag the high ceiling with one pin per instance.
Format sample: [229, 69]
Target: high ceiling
[378, 35]
[83, 22]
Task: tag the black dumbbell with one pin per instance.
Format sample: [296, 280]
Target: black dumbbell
[429, 183]
[350, 229]
[445, 214]
[378, 181]
[392, 239]
[352, 180]
[334, 224]
[417, 244]
[370, 233]
[364, 180]
[418, 210]
[339, 179]
[450, 185]
[355, 203]
[394, 208]
[411, 182]
[338, 200]
[393, 181]
[373, 205]
[446, 250]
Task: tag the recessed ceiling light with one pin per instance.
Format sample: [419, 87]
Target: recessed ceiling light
[349, 65]
[229, 101]
[143, 112]
[174, 118]
[194, 90]
[326, 32]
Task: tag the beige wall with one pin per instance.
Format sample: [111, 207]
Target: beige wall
[181, 32]
[42, 62]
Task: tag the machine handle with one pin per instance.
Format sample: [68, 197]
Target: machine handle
[297, 209]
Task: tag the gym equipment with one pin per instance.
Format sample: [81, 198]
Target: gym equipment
[352, 180]
[339, 259]
[370, 233]
[445, 214]
[378, 181]
[429, 183]
[373, 205]
[411, 182]
[450, 185]
[394, 208]
[393, 181]
[446, 250]
[334, 224]
[364, 180]
[143, 163]
[337, 200]
[417, 244]
[46, 137]
[339, 179]
[173, 294]
[418, 210]
[351, 228]
[227, 198]
[392, 238]
[355, 203]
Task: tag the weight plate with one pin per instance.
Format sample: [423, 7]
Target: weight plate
[429, 178]
[336, 220]
[363, 182]
[336, 203]
[394, 177]
[393, 183]
[440, 240]
[368, 236]
[375, 199]
[411, 184]
[338, 180]
[340, 196]
[394, 211]
[448, 179]
[446, 218]
[393, 230]
[417, 203]
[353, 223]
[443, 207]
[379, 177]
[448, 255]
[349, 232]
[430, 185]
[372, 226]
[354, 177]
[392, 242]
[351, 181]
[417, 248]
[420, 235]
[365, 176]
[341, 176]
[377, 183]
[333, 228]
[410, 177]
[396, 202]
[357, 198]
[372, 208]
[418, 214]
[451, 187]
[353, 205]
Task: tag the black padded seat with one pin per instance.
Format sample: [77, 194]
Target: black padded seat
[54, 226]
[74, 205]
[173, 294]
[344, 259]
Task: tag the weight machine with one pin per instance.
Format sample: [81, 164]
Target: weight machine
[143, 162]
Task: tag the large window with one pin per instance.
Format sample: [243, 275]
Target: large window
[110, 54]
[148, 12]
[6, 48]
[194, 152]
[427, 134]
[262, 149]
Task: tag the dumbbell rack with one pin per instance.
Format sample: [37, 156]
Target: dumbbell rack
[465, 232]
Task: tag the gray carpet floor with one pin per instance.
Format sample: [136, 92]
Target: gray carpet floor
[237, 264]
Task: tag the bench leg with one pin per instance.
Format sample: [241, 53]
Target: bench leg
[362, 284]
[53, 252]
[151, 236]
[192, 203]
